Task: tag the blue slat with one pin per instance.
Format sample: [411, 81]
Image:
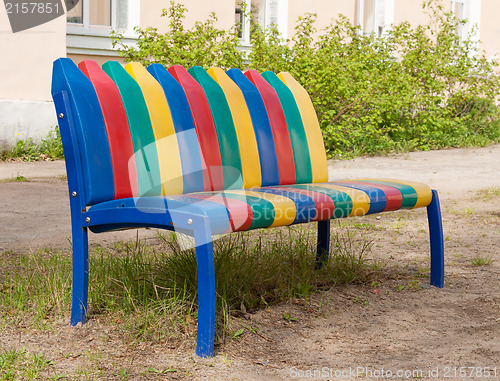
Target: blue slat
[261, 126]
[189, 148]
[378, 199]
[88, 121]
[154, 211]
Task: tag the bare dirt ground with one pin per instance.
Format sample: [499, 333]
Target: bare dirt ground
[397, 328]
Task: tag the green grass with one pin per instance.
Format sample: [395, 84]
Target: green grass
[17, 179]
[479, 260]
[150, 291]
[22, 365]
[49, 148]
[488, 193]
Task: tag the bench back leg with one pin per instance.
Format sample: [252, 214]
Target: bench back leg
[206, 292]
[436, 241]
[80, 274]
[323, 245]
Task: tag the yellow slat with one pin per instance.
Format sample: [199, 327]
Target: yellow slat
[163, 128]
[249, 152]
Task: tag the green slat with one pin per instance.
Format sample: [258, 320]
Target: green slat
[409, 194]
[226, 132]
[298, 136]
[146, 155]
[262, 210]
[342, 201]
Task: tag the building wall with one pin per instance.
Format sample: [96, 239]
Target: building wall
[77, 58]
[25, 67]
[490, 27]
[197, 11]
[411, 11]
[27, 57]
[326, 11]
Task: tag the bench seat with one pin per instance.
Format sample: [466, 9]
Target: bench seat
[264, 207]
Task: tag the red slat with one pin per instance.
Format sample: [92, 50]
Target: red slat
[284, 151]
[204, 124]
[117, 128]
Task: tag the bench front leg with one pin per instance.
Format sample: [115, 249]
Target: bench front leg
[436, 241]
[206, 289]
[80, 274]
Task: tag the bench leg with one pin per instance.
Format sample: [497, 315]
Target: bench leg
[206, 293]
[323, 245]
[436, 240]
[80, 275]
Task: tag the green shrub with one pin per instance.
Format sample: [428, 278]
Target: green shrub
[202, 45]
[416, 88]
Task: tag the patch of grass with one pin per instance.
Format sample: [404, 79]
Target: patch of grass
[488, 193]
[22, 365]
[479, 260]
[288, 317]
[359, 223]
[399, 224]
[35, 289]
[236, 335]
[50, 148]
[468, 212]
[150, 292]
[18, 178]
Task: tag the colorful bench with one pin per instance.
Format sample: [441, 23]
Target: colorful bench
[204, 153]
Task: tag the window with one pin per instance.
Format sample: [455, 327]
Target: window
[374, 16]
[89, 23]
[265, 13]
[97, 13]
[470, 12]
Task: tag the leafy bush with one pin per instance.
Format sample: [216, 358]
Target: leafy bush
[202, 45]
[416, 88]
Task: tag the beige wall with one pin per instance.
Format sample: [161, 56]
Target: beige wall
[490, 27]
[26, 73]
[198, 10]
[27, 56]
[326, 11]
[411, 11]
[77, 58]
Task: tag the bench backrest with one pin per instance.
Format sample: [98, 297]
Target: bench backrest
[155, 131]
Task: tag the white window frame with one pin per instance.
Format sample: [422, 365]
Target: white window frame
[471, 13]
[383, 16]
[282, 22]
[94, 39]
